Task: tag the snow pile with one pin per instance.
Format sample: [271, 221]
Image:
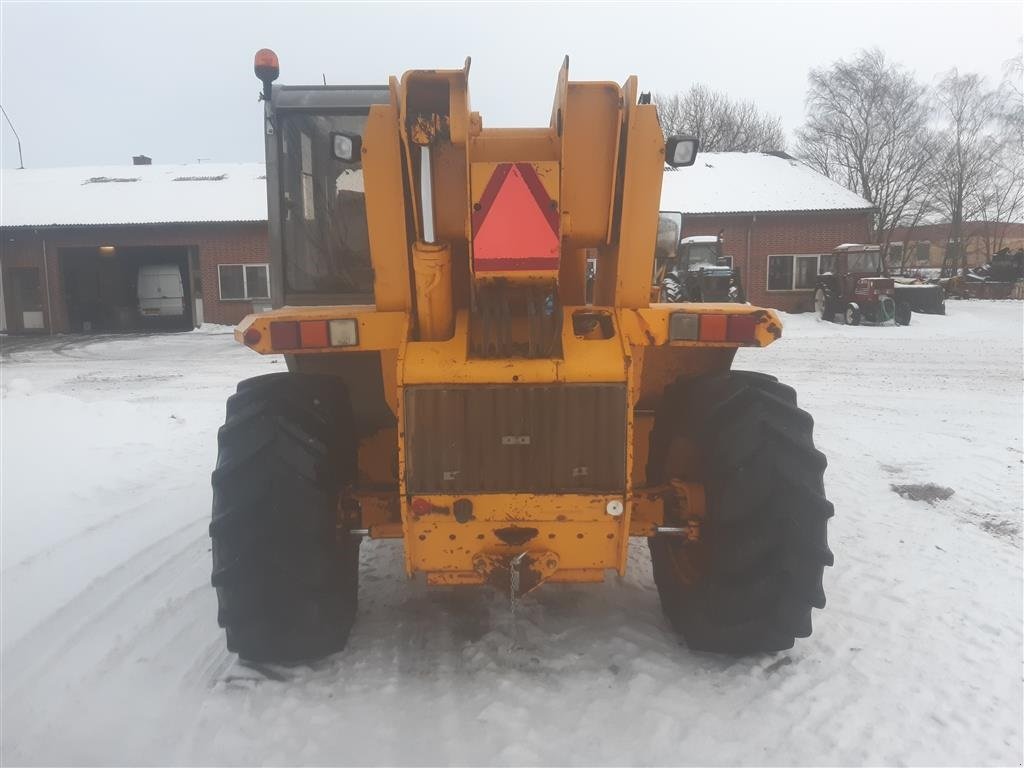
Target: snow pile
[111, 652]
[214, 328]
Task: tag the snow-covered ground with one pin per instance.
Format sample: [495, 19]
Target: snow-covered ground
[111, 652]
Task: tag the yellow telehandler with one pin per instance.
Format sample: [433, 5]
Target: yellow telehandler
[450, 384]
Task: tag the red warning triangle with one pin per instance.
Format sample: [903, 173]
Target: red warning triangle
[514, 232]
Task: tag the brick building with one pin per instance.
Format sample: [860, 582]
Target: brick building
[925, 246]
[776, 217]
[73, 240]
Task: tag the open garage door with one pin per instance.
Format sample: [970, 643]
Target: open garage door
[114, 288]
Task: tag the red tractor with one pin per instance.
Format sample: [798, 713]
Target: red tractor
[850, 282]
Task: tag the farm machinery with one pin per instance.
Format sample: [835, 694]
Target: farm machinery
[850, 283]
[449, 385]
[696, 269]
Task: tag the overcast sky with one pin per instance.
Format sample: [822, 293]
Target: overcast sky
[94, 84]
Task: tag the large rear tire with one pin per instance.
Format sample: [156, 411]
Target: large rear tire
[286, 574]
[903, 313]
[671, 289]
[751, 581]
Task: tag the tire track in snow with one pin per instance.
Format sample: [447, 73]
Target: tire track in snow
[914, 661]
[94, 529]
[131, 623]
[61, 632]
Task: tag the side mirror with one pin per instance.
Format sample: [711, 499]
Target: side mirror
[681, 151]
[346, 146]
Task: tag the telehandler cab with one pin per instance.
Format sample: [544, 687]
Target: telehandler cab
[449, 385]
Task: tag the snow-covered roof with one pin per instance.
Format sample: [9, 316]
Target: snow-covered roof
[857, 247]
[753, 182]
[133, 194]
[719, 182]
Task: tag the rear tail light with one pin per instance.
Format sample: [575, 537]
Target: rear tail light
[284, 335]
[713, 327]
[313, 334]
[741, 328]
[687, 326]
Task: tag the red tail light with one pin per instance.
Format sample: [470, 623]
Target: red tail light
[313, 333]
[284, 335]
[713, 327]
[741, 328]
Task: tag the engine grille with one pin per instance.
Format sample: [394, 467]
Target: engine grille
[568, 438]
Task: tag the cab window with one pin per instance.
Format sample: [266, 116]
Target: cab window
[325, 241]
[863, 261]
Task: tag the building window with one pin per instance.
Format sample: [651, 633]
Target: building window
[792, 273]
[923, 252]
[239, 282]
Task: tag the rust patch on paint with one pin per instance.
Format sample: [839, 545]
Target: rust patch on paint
[773, 328]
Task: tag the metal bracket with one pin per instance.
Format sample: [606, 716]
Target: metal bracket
[516, 575]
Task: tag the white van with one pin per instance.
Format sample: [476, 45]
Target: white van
[160, 291]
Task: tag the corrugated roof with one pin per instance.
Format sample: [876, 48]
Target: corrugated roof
[133, 194]
[753, 182]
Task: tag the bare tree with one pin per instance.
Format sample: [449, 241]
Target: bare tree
[920, 213]
[721, 124]
[970, 144]
[1001, 199]
[1013, 87]
[867, 128]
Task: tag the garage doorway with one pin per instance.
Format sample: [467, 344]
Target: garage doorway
[115, 288]
[23, 298]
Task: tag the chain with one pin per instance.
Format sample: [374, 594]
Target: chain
[513, 575]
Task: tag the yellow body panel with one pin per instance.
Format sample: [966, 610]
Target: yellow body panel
[601, 161]
[450, 362]
[592, 124]
[377, 330]
[577, 527]
[386, 204]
